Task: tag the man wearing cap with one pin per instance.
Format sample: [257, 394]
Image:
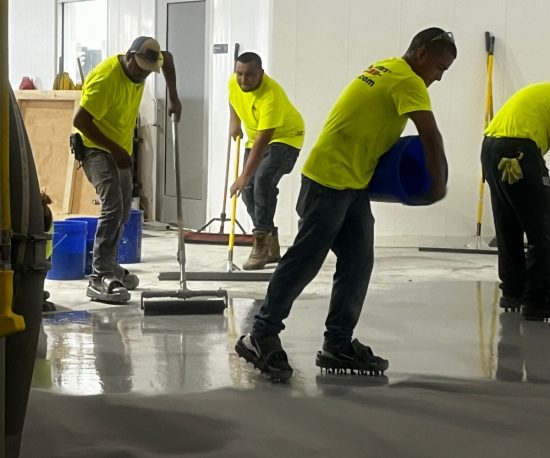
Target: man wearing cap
[105, 121]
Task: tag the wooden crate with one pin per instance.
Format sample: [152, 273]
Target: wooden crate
[48, 118]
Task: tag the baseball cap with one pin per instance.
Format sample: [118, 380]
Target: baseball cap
[148, 54]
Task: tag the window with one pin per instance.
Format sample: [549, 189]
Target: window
[83, 36]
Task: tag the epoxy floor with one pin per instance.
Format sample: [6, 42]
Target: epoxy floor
[435, 316]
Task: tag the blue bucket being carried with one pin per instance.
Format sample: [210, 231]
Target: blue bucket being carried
[129, 247]
[69, 250]
[90, 238]
[401, 174]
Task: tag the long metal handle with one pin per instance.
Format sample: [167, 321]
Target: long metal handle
[179, 208]
[156, 119]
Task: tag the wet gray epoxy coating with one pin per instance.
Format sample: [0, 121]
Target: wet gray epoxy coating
[118, 383]
[446, 329]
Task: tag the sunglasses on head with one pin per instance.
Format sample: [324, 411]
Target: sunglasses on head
[447, 37]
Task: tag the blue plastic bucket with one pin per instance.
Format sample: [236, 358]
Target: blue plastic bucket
[90, 238]
[401, 174]
[129, 247]
[69, 250]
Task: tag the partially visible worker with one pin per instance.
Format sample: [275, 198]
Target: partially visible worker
[513, 165]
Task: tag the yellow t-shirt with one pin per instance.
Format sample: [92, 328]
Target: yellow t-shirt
[267, 107]
[366, 120]
[113, 100]
[525, 115]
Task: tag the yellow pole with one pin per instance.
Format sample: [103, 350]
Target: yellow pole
[230, 266]
[9, 322]
[490, 48]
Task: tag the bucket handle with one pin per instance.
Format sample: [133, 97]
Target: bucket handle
[62, 238]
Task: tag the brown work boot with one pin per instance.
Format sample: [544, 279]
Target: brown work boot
[260, 251]
[274, 250]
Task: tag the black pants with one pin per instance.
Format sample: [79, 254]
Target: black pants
[261, 191]
[340, 221]
[518, 209]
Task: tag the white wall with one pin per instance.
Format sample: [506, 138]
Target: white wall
[319, 45]
[232, 21]
[313, 48]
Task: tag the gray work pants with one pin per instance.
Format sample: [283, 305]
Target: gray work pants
[114, 188]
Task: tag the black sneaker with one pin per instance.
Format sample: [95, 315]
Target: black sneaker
[512, 304]
[357, 357]
[47, 306]
[109, 290]
[129, 280]
[265, 354]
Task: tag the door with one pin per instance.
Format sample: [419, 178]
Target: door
[182, 31]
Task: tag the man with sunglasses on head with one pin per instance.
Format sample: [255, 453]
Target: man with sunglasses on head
[334, 206]
[105, 122]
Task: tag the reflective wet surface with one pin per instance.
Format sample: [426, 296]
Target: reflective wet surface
[445, 329]
[465, 378]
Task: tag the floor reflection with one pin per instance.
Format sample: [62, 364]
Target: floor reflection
[453, 329]
[523, 350]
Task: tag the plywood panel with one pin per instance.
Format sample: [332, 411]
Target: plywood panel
[49, 124]
[48, 117]
[85, 200]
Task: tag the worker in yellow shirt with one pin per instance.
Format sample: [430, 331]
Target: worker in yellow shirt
[105, 123]
[334, 205]
[275, 135]
[513, 165]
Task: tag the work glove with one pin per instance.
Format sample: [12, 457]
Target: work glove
[510, 169]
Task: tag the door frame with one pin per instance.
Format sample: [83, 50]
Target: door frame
[165, 206]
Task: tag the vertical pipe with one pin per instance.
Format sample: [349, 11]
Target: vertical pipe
[5, 222]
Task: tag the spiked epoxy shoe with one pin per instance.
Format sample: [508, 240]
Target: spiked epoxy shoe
[512, 304]
[129, 280]
[265, 354]
[535, 313]
[356, 357]
[109, 290]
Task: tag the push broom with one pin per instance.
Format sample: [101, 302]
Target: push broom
[221, 238]
[232, 273]
[182, 301]
[490, 48]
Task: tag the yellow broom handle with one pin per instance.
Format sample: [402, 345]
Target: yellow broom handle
[234, 197]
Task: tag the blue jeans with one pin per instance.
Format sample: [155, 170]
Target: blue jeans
[114, 188]
[260, 193]
[340, 221]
